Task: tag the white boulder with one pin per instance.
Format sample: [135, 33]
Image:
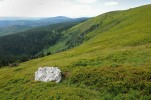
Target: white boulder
[47, 74]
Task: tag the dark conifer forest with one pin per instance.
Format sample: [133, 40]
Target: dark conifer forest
[22, 46]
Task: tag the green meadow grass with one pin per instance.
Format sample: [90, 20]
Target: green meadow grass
[112, 63]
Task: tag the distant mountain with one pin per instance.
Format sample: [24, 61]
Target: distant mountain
[13, 29]
[10, 25]
[8, 21]
[19, 18]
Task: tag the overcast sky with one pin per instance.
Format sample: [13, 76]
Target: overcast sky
[69, 8]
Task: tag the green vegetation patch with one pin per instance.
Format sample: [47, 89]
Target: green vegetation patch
[115, 81]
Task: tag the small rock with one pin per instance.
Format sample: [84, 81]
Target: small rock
[47, 74]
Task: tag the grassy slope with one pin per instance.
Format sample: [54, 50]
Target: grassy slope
[115, 63]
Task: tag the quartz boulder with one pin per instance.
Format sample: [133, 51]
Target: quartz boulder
[47, 74]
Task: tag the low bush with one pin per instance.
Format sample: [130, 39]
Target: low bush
[114, 80]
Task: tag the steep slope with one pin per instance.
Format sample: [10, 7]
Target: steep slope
[30, 44]
[113, 62]
[122, 21]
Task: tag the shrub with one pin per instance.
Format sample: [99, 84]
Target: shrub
[114, 80]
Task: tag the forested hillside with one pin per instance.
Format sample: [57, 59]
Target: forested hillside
[13, 29]
[30, 44]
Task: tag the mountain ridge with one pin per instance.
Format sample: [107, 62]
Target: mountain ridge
[23, 24]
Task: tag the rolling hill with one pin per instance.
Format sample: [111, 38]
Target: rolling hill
[13, 29]
[11, 25]
[32, 21]
[107, 57]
